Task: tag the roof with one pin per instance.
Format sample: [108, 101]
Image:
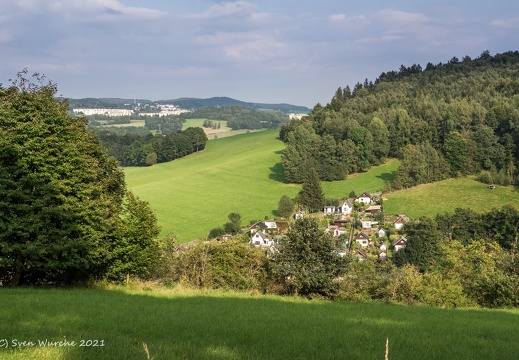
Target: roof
[374, 208]
[362, 235]
[346, 202]
[399, 240]
[259, 224]
[401, 219]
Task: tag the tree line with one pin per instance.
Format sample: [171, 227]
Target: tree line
[147, 150]
[446, 120]
[240, 117]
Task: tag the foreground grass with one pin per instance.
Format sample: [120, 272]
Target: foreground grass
[216, 325]
[240, 174]
[445, 196]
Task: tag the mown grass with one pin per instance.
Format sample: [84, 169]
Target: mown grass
[212, 134]
[236, 174]
[445, 196]
[216, 325]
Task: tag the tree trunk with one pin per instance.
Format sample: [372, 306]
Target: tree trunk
[17, 274]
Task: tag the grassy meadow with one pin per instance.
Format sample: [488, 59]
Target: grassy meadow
[243, 174]
[447, 195]
[222, 132]
[240, 174]
[180, 324]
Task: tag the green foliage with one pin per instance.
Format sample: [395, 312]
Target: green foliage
[136, 250]
[311, 195]
[421, 164]
[306, 263]
[240, 117]
[147, 150]
[423, 240]
[465, 111]
[60, 195]
[224, 265]
[286, 207]
[215, 232]
[62, 215]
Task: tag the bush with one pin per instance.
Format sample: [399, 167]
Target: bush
[228, 265]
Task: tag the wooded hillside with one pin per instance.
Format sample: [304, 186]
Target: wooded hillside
[446, 120]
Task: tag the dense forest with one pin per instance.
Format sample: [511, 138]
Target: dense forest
[145, 150]
[446, 120]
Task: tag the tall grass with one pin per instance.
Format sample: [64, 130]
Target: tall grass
[217, 325]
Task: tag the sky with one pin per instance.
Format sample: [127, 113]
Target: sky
[270, 51]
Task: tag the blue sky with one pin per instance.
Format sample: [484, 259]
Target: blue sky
[291, 51]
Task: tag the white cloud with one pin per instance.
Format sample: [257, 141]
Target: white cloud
[511, 23]
[337, 17]
[225, 9]
[401, 17]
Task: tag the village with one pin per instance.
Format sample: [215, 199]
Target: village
[358, 221]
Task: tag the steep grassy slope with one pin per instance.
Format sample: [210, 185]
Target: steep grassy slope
[237, 174]
[216, 325]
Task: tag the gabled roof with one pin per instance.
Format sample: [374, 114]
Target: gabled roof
[364, 194]
[259, 224]
[361, 255]
[347, 203]
[400, 241]
[401, 220]
[362, 235]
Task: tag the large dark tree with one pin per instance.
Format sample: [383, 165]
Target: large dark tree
[60, 195]
[306, 263]
[423, 240]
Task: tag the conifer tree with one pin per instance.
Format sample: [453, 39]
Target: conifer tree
[311, 196]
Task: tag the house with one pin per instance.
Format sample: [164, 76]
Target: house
[366, 224]
[383, 248]
[260, 239]
[400, 221]
[361, 255]
[341, 222]
[345, 207]
[399, 243]
[335, 230]
[264, 226]
[224, 237]
[329, 209]
[260, 226]
[363, 239]
[299, 215]
[271, 224]
[373, 209]
[381, 233]
[364, 198]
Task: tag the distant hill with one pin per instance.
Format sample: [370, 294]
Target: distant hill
[184, 103]
[194, 103]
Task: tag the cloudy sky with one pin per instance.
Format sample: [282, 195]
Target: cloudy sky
[293, 51]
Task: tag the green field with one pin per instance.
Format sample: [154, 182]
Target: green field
[216, 325]
[236, 174]
[212, 134]
[445, 196]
